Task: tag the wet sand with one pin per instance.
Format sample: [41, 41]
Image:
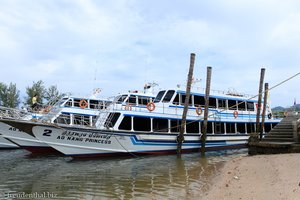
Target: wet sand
[258, 177]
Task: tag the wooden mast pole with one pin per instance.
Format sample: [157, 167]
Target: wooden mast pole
[180, 137]
[264, 110]
[204, 130]
[261, 82]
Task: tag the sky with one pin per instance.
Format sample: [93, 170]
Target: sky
[120, 45]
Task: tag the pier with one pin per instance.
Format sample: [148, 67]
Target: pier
[283, 138]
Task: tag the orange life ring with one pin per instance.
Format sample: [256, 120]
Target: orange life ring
[83, 103]
[235, 114]
[198, 110]
[151, 106]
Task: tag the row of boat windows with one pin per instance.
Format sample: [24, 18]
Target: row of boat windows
[134, 100]
[169, 125]
[75, 119]
[199, 101]
[91, 104]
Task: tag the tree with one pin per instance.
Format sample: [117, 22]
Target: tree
[52, 94]
[37, 88]
[3, 89]
[9, 95]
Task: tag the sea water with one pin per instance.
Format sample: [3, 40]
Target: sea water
[26, 176]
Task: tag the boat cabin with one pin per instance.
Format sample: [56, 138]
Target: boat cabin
[228, 114]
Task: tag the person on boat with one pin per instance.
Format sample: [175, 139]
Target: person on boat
[35, 104]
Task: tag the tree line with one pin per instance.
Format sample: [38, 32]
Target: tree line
[10, 95]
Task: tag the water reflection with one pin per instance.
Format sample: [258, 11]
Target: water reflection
[159, 177]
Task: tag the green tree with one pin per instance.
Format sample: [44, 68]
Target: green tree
[13, 96]
[52, 94]
[3, 89]
[37, 88]
[10, 96]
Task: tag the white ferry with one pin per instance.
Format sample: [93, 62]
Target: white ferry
[69, 110]
[128, 128]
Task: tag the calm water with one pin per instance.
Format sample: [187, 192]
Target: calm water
[151, 177]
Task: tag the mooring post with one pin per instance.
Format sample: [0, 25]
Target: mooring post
[264, 110]
[180, 137]
[261, 82]
[204, 130]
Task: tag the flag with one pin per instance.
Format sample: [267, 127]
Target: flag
[295, 102]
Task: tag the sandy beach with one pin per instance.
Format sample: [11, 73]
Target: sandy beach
[258, 177]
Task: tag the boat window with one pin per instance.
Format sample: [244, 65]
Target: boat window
[241, 128]
[81, 120]
[199, 101]
[219, 127]
[168, 96]
[209, 127]
[183, 100]
[160, 125]
[212, 102]
[250, 127]
[111, 119]
[126, 123]
[94, 104]
[230, 127]
[66, 102]
[132, 100]
[159, 96]
[192, 127]
[76, 102]
[241, 105]
[175, 125]
[121, 99]
[144, 100]
[176, 99]
[222, 103]
[250, 106]
[232, 104]
[63, 119]
[141, 124]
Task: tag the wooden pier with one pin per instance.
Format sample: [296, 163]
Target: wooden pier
[283, 138]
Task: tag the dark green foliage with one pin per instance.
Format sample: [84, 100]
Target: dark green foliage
[9, 95]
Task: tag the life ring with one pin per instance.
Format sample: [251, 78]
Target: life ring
[285, 113]
[128, 107]
[151, 106]
[235, 114]
[198, 110]
[270, 115]
[83, 103]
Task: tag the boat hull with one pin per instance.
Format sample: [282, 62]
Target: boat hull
[22, 139]
[92, 142]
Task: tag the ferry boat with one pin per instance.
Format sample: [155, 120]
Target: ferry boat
[69, 110]
[128, 128]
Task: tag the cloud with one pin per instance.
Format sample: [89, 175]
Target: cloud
[120, 45]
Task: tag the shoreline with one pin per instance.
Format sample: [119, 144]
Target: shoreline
[275, 176]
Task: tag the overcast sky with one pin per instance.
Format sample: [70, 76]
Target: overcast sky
[119, 45]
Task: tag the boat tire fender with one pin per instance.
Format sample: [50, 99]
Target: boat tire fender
[270, 115]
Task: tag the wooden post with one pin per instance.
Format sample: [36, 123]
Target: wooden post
[204, 130]
[180, 137]
[264, 110]
[261, 82]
